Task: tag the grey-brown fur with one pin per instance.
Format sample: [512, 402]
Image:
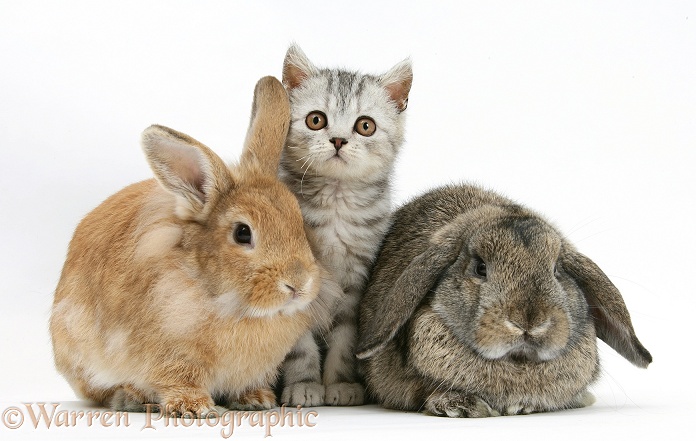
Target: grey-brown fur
[438, 337]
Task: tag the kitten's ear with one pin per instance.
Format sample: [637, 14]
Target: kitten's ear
[296, 67]
[397, 82]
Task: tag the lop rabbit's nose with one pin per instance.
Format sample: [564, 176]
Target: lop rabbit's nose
[338, 143]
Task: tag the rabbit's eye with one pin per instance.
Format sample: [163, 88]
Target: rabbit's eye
[316, 120]
[480, 268]
[242, 234]
[556, 273]
[365, 126]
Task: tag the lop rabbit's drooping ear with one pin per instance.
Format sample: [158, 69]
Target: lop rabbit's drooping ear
[187, 168]
[401, 300]
[414, 282]
[609, 313]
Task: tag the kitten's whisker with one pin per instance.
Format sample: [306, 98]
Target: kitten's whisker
[303, 176]
[309, 157]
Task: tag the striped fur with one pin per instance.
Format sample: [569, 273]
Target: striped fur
[345, 198]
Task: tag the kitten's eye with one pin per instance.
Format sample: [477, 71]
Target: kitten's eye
[316, 120]
[242, 234]
[480, 268]
[365, 126]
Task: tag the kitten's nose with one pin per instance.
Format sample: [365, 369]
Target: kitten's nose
[338, 142]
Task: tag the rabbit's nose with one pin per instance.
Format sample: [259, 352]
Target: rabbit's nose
[540, 329]
[300, 278]
[291, 290]
[527, 330]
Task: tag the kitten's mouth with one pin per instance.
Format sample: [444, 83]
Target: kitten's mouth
[337, 157]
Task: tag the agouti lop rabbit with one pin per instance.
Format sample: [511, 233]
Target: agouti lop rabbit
[189, 290]
[478, 307]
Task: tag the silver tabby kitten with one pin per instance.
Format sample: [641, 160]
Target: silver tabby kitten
[345, 133]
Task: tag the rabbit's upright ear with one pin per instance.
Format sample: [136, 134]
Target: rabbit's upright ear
[268, 128]
[398, 303]
[611, 318]
[187, 168]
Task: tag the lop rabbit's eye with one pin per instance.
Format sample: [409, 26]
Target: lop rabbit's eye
[480, 268]
[316, 120]
[242, 234]
[556, 273]
[365, 126]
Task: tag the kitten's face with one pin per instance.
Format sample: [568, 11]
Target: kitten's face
[344, 125]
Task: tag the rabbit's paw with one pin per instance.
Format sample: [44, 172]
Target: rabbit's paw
[257, 399]
[190, 406]
[519, 409]
[129, 399]
[456, 404]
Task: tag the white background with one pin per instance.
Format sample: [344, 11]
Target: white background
[582, 110]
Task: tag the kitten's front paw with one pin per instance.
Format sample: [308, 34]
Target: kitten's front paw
[257, 399]
[456, 404]
[303, 394]
[345, 394]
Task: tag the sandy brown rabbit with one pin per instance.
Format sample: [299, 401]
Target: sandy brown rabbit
[192, 287]
[479, 307]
